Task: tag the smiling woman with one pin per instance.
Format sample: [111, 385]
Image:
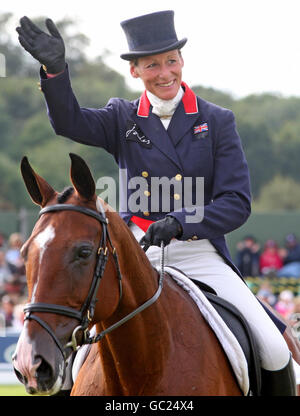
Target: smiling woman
[161, 74]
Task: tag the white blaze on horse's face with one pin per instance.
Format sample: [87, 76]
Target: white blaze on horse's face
[42, 240]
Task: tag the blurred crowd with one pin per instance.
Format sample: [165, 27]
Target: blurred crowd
[271, 260]
[13, 289]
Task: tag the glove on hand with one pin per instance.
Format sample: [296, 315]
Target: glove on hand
[162, 230]
[49, 50]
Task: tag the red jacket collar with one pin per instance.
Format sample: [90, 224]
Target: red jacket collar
[189, 101]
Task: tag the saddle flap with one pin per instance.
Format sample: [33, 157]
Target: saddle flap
[231, 329]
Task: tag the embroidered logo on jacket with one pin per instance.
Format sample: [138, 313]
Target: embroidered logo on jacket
[201, 130]
[135, 134]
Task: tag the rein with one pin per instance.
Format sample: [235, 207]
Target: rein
[86, 312]
[145, 305]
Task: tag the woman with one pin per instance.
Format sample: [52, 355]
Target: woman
[169, 133]
[270, 260]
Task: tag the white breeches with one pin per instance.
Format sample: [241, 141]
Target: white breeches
[199, 260]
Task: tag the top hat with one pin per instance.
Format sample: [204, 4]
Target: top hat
[151, 34]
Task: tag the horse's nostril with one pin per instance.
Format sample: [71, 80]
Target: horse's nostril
[44, 373]
[31, 390]
[21, 378]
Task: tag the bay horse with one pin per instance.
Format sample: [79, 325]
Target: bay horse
[84, 267]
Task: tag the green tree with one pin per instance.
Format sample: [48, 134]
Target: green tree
[280, 194]
[14, 55]
[217, 97]
[12, 190]
[259, 151]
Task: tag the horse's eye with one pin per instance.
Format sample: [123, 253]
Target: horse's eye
[84, 252]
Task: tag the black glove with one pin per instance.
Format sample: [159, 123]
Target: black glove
[48, 50]
[162, 230]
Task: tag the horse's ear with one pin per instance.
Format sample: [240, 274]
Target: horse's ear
[82, 178]
[39, 190]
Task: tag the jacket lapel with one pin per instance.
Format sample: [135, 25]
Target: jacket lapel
[180, 123]
[184, 118]
[154, 130]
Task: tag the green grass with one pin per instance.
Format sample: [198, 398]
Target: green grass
[13, 390]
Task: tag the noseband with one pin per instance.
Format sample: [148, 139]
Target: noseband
[86, 312]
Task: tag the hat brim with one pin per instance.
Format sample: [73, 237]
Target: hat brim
[138, 54]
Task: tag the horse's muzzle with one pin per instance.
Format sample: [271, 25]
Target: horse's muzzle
[39, 364]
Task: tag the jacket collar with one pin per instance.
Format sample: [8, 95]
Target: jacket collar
[189, 101]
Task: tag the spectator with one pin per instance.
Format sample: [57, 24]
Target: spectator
[13, 256]
[12, 314]
[247, 259]
[285, 304]
[291, 267]
[17, 282]
[265, 293]
[270, 260]
[18, 320]
[5, 274]
[7, 308]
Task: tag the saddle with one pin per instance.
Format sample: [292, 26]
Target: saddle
[238, 325]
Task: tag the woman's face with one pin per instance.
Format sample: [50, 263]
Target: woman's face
[161, 74]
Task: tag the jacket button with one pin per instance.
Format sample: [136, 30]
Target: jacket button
[147, 193]
[178, 177]
[194, 237]
[146, 213]
[177, 197]
[145, 174]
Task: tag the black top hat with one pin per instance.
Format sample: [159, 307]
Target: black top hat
[151, 34]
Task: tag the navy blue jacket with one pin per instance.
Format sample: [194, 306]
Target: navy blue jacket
[201, 141]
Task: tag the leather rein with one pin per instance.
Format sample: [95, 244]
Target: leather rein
[86, 312]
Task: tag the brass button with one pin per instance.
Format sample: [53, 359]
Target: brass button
[178, 177]
[147, 193]
[189, 239]
[146, 213]
[177, 197]
[145, 174]
[194, 237]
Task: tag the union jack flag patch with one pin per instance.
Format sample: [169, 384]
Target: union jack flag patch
[201, 128]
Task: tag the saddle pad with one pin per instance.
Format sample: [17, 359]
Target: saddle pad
[226, 338]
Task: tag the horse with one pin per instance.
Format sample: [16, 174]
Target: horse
[166, 349]
[85, 269]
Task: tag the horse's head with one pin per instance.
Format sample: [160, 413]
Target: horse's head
[64, 257]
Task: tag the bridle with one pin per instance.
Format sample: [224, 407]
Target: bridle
[86, 312]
